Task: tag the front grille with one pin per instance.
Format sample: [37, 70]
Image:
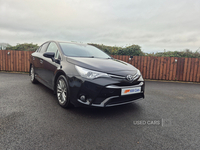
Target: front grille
[126, 83]
[110, 92]
[105, 93]
[124, 99]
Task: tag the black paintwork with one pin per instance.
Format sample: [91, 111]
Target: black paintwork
[48, 69]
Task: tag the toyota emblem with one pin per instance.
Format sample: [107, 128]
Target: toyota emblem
[129, 77]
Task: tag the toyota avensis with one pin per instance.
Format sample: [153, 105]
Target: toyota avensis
[83, 75]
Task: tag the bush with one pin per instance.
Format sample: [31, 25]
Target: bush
[185, 53]
[23, 47]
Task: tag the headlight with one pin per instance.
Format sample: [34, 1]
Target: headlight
[90, 74]
[139, 74]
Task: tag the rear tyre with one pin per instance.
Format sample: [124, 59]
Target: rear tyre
[32, 74]
[62, 91]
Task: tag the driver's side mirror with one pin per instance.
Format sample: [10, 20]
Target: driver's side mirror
[51, 55]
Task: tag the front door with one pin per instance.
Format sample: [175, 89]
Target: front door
[49, 65]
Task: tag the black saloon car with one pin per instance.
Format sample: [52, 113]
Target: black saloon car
[83, 75]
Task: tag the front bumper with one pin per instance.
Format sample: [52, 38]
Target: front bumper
[104, 92]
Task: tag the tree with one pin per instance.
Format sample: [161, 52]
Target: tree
[133, 50]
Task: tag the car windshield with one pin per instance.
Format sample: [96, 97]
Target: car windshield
[82, 50]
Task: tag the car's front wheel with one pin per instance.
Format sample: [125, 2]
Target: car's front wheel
[32, 74]
[62, 90]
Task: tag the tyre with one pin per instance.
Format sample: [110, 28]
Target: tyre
[62, 91]
[32, 74]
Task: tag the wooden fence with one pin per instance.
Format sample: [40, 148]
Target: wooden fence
[156, 68]
[166, 68]
[17, 61]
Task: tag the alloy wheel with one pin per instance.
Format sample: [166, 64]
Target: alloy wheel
[32, 74]
[61, 91]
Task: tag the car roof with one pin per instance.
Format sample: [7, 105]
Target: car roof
[76, 43]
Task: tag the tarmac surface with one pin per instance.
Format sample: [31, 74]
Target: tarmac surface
[30, 118]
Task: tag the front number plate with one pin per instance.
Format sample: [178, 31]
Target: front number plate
[131, 91]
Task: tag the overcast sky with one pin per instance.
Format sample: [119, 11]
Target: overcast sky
[155, 25]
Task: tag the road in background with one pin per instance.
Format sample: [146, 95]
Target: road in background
[30, 118]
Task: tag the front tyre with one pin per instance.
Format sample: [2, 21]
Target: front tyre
[32, 74]
[62, 90]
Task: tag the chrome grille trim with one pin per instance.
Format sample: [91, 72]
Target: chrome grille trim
[115, 76]
[105, 101]
[121, 103]
[98, 105]
[120, 87]
[135, 76]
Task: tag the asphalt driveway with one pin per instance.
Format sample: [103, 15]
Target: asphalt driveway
[30, 118]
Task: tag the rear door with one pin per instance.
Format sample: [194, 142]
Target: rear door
[38, 61]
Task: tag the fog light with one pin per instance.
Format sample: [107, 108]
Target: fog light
[82, 98]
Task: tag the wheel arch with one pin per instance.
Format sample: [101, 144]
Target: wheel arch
[58, 73]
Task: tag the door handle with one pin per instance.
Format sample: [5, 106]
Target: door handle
[41, 61]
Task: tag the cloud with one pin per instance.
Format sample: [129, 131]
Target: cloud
[154, 25]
